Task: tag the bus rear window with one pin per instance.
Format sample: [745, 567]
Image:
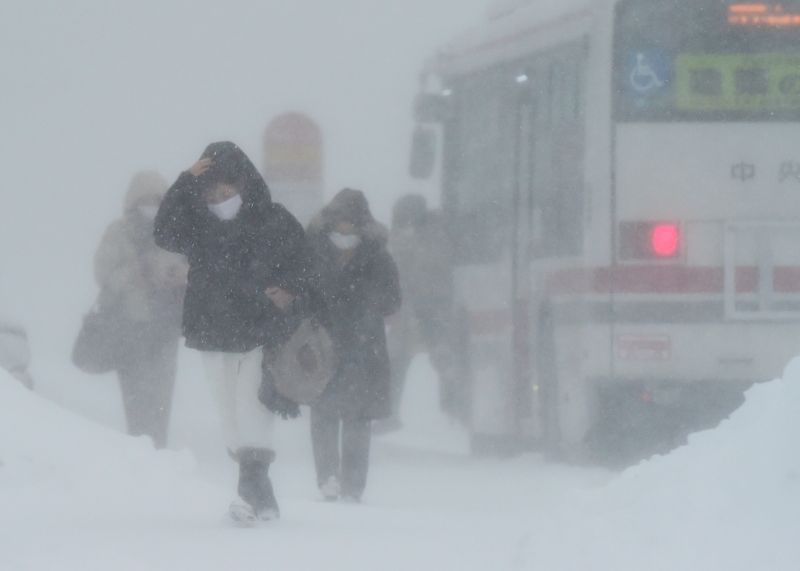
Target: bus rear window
[709, 60]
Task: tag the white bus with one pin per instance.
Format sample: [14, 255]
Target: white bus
[621, 181]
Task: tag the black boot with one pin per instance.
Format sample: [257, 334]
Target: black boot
[255, 487]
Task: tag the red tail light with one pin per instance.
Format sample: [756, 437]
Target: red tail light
[649, 240]
[664, 240]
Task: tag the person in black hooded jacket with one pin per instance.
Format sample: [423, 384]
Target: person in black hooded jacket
[358, 287]
[248, 264]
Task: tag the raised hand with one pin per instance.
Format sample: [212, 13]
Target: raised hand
[280, 297]
[201, 166]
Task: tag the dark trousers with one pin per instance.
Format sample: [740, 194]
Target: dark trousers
[146, 382]
[426, 326]
[329, 434]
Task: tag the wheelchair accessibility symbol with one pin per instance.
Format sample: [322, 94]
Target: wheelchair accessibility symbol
[646, 75]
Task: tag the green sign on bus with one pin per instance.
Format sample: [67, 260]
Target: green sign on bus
[738, 82]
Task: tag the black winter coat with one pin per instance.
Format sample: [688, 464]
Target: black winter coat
[231, 263]
[354, 300]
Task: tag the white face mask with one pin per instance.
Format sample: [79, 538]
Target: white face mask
[345, 241]
[148, 211]
[227, 209]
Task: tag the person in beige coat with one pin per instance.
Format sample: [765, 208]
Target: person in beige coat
[144, 285]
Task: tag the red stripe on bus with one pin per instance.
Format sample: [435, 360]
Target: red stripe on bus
[667, 280]
[786, 279]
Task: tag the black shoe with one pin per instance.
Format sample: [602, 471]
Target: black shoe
[255, 487]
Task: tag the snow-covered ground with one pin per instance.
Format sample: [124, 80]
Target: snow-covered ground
[75, 495]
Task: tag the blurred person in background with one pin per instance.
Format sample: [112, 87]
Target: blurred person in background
[248, 264]
[419, 244]
[358, 288]
[144, 285]
[15, 352]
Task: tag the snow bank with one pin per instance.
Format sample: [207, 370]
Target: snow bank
[75, 495]
[728, 500]
[57, 466]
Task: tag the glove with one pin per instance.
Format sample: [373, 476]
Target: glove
[275, 402]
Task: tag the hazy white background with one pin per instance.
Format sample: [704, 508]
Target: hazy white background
[94, 90]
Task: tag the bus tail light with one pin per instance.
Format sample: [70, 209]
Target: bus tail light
[665, 240]
[649, 241]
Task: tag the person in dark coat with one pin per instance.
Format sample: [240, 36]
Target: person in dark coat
[358, 288]
[420, 246]
[145, 286]
[248, 263]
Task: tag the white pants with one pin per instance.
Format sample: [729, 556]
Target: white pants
[235, 379]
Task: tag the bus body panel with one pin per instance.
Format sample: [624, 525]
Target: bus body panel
[732, 172]
[481, 292]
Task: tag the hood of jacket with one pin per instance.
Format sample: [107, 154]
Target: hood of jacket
[145, 186]
[232, 166]
[349, 205]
